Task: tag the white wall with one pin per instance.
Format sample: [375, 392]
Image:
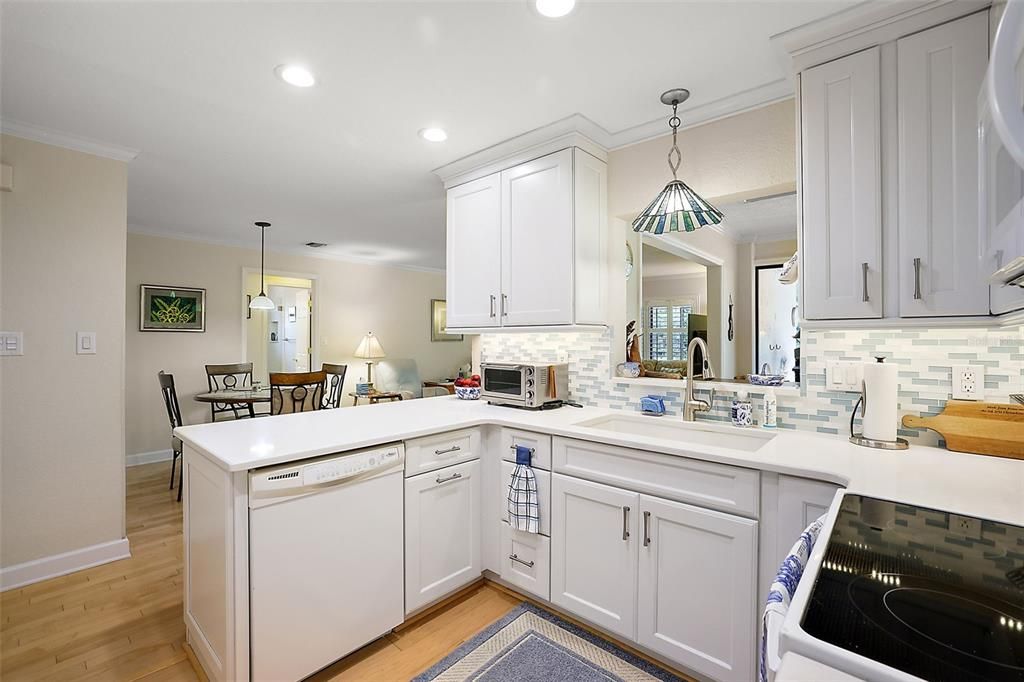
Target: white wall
[354, 298]
[63, 270]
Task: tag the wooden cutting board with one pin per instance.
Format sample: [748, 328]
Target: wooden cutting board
[982, 428]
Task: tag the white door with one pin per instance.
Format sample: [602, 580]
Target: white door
[841, 263]
[537, 241]
[939, 73]
[526, 561]
[593, 552]
[302, 321]
[697, 588]
[442, 533]
[474, 253]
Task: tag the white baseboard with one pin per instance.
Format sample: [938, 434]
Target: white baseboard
[48, 567]
[148, 457]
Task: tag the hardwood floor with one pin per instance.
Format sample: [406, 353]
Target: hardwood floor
[123, 621]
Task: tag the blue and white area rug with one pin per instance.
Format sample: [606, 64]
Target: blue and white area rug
[531, 644]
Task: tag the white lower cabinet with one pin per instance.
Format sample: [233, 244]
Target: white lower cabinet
[593, 552]
[526, 561]
[543, 479]
[697, 588]
[442, 533]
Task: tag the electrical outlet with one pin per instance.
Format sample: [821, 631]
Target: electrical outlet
[966, 526]
[968, 382]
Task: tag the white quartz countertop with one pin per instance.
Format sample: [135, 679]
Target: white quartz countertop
[988, 487]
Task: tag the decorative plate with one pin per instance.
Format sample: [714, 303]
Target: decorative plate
[766, 379]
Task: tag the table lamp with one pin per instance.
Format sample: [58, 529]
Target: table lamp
[369, 349]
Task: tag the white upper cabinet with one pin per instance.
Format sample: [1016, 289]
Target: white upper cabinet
[537, 242]
[841, 188]
[474, 240]
[939, 72]
[527, 245]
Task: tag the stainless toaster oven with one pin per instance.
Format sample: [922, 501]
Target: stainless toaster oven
[524, 384]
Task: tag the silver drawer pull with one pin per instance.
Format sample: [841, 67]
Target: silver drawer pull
[917, 279]
[513, 447]
[625, 523]
[647, 528]
[454, 448]
[528, 564]
[864, 276]
[492, 305]
[504, 305]
[450, 478]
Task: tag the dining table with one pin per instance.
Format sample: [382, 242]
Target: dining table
[236, 396]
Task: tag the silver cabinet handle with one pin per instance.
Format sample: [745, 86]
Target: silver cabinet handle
[513, 447]
[492, 305]
[450, 478]
[454, 448]
[504, 305]
[528, 564]
[917, 279]
[625, 523]
[647, 528]
[864, 277]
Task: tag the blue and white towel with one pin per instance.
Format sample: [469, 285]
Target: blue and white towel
[523, 505]
[781, 593]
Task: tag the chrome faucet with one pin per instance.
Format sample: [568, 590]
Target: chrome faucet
[691, 405]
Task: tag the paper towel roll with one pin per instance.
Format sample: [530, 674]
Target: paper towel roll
[880, 406]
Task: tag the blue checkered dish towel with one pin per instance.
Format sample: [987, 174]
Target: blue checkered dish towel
[779, 596]
[523, 511]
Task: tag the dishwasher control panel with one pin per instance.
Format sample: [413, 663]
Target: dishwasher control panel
[349, 466]
[277, 480]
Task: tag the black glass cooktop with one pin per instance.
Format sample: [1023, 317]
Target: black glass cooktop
[938, 596]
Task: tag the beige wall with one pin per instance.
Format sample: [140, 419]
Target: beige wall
[745, 154]
[63, 269]
[353, 298]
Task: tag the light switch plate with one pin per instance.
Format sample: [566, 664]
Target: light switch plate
[12, 343]
[968, 382]
[85, 343]
[844, 376]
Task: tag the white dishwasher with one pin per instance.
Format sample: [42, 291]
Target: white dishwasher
[326, 569]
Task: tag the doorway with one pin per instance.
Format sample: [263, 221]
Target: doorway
[283, 339]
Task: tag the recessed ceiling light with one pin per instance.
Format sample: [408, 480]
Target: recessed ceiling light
[434, 134]
[555, 8]
[298, 76]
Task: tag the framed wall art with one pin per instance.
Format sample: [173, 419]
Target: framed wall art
[171, 309]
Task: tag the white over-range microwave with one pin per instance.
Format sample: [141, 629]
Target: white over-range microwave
[1001, 163]
[523, 384]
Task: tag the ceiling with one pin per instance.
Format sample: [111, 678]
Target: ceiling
[660, 263]
[761, 221]
[222, 142]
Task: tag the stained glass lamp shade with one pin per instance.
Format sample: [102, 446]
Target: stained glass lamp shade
[677, 208]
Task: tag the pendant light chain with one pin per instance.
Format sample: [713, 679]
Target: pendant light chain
[677, 161]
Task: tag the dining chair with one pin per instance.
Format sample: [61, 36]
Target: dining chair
[296, 391]
[174, 417]
[235, 376]
[335, 384]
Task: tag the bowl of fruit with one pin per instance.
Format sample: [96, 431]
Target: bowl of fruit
[468, 389]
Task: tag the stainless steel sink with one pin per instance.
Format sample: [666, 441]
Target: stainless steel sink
[695, 433]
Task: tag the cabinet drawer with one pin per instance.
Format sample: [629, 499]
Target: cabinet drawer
[543, 495]
[526, 561]
[441, 450]
[716, 486]
[540, 443]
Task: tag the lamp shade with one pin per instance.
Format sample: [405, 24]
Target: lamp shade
[369, 348]
[677, 209]
[261, 302]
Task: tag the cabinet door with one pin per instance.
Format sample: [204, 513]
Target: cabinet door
[526, 561]
[841, 264]
[590, 229]
[593, 552]
[442, 533]
[801, 502]
[697, 588]
[537, 241]
[474, 253]
[938, 77]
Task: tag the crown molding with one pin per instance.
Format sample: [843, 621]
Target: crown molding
[288, 251]
[29, 131]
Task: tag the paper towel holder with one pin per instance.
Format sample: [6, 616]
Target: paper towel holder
[859, 439]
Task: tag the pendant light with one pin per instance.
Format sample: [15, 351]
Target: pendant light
[262, 302]
[677, 208]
